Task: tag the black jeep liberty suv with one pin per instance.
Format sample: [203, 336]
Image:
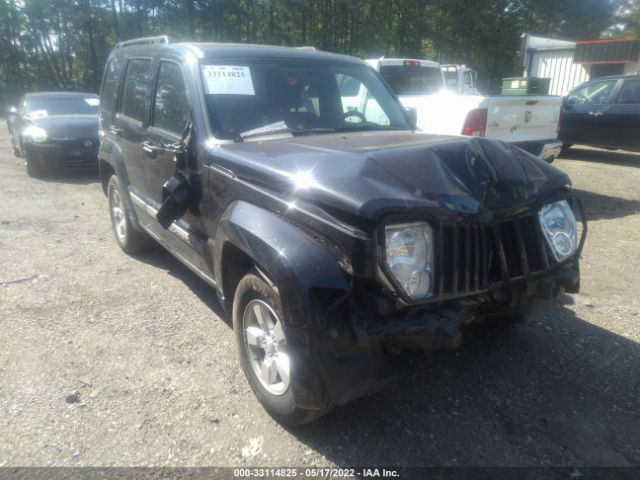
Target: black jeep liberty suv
[332, 232]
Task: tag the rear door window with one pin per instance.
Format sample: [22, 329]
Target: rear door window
[630, 92]
[171, 105]
[136, 86]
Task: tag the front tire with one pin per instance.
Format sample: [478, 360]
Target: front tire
[130, 239]
[35, 166]
[264, 351]
[14, 148]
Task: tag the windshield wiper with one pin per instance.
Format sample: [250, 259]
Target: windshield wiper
[271, 129]
[281, 127]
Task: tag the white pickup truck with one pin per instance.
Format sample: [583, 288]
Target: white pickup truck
[528, 121]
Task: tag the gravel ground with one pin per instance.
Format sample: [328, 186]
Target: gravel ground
[112, 360]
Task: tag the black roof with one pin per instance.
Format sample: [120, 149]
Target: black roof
[233, 50]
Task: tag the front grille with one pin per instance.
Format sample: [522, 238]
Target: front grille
[473, 257]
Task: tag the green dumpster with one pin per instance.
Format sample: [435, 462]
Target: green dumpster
[526, 86]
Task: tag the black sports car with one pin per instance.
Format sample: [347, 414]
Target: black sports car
[55, 129]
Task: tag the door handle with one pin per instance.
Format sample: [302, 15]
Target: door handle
[115, 130]
[596, 113]
[151, 149]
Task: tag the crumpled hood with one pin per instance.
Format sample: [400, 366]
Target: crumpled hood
[61, 127]
[371, 174]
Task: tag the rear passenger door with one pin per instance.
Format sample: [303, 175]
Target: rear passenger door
[623, 117]
[131, 120]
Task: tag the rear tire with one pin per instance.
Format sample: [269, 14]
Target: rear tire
[264, 351]
[129, 238]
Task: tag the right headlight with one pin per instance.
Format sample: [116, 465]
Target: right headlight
[559, 226]
[409, 257]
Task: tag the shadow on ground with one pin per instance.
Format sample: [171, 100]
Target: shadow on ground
[611, 157]
[554, 391]
[78, 177]
[162, 259]
[598, 206]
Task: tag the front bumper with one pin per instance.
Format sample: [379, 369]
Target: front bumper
[499, 270]
[547, 150]
[353, 351]
[65, 153]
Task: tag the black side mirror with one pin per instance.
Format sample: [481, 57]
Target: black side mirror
[412, 116]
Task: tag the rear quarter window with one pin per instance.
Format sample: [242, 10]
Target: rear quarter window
[630, 92]
[135, 90]
[109, 92]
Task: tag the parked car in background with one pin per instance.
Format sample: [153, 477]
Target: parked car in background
[604, 112]
[332, 233]
[55, 129]
[529, 121]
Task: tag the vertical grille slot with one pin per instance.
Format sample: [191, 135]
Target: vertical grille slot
[471, 256]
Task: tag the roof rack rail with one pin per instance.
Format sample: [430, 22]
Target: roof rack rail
[144, 41]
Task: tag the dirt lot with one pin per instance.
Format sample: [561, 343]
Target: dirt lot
[107, 359]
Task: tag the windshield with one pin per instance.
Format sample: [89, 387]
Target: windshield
[412, 80]
[299, 95]
[62, 105]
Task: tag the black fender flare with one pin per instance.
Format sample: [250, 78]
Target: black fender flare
[296, 266]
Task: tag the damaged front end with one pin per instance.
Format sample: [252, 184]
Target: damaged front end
[498, 270]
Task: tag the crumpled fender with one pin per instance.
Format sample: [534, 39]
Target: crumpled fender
[296, 265]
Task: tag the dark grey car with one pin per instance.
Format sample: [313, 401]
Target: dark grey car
[55, 129]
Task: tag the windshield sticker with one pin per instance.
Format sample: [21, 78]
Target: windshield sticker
[94, 102]
[228, 80]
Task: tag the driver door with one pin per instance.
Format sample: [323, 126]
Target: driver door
[584, 115]
[170, 113]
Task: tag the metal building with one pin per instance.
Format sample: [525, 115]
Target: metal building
[568, 64]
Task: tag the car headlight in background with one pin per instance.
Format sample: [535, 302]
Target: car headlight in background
[558, 224]
[37, 134]
[409, 256]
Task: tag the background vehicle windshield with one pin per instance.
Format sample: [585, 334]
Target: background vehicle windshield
[62, 105]
[412, 80]
[243, 95]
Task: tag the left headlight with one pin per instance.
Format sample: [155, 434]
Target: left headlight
[558, 224]
[37, 134]
[409, 256]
